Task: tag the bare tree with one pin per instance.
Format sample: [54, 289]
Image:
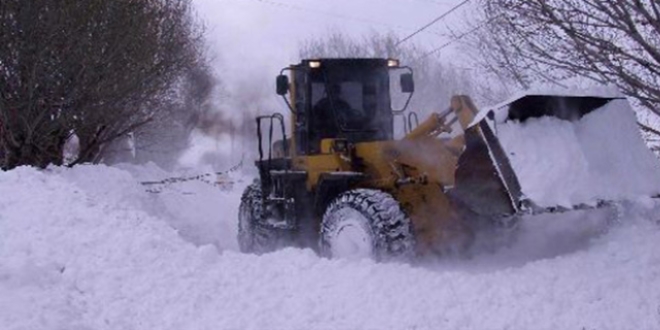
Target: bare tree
[164, 138]
[609, 42]
[98, 68]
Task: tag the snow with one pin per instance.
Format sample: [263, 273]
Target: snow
[600, 157]
[87, 248]
[353, 241]
[194, 207]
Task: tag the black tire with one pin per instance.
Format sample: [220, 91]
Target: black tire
[253, 235]
[388, 232]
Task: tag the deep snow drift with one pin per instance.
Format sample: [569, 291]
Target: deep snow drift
[87, 248]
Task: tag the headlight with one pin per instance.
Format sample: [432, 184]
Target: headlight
[392, 63]
[314, 64]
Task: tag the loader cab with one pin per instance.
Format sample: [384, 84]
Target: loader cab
[340, 99]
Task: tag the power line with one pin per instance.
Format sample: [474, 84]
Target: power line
[330, 14]
[432, 22]
[450, 42]
[461, 36]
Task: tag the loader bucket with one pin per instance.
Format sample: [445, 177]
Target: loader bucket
[546, 153]
[563, 107]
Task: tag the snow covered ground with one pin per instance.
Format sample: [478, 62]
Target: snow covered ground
[88, 248]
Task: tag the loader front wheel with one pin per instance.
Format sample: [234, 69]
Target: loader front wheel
[253, 235]
[366, 223]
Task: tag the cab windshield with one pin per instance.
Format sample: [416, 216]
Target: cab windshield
[352, 99]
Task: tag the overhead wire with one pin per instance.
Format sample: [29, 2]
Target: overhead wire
[421, 29]
[331, 14]
[435, 20]
[461, 36]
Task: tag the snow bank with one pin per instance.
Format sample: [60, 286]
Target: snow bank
[76, 256]
[200, 212]
[600, 157]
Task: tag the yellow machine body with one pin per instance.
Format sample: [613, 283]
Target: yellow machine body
[415, 170]
[441, 182]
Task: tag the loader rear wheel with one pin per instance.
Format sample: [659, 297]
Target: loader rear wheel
[253, 235]
[366, 223]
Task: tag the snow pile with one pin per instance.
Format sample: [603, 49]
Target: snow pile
[76, 256]
[200, 212]
[600, 157]
[79, 250]
[196, 209]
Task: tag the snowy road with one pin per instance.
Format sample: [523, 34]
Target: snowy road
[87, 248]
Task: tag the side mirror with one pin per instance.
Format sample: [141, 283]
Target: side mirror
[407, 83]
[282, 84]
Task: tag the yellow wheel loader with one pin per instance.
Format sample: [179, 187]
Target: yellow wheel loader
[341, 184]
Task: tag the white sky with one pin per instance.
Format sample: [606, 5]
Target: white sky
[247, 36]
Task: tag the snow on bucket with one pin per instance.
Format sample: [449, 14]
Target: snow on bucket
[572, 150]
